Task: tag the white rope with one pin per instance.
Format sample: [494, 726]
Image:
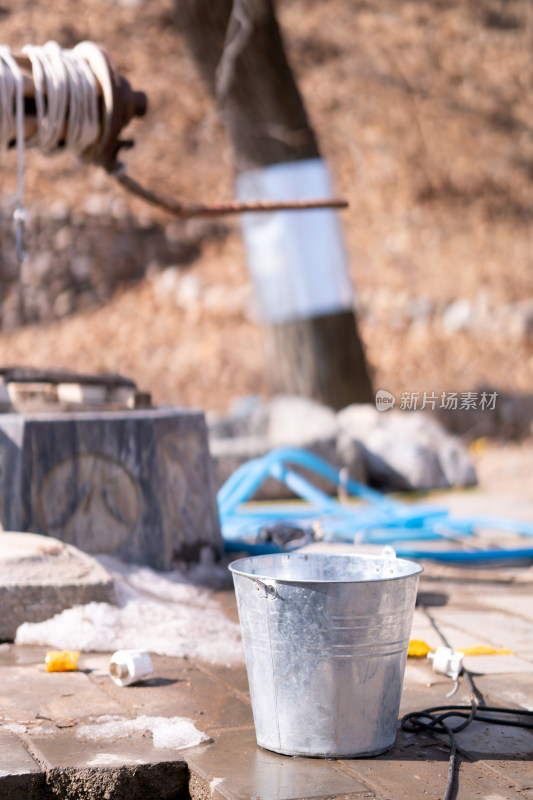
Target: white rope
[66, 96]
[12, 126]
[66, 102]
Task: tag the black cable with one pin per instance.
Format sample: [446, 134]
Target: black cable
[432, 720]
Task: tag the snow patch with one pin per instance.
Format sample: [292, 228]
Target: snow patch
[163, 613]
[14, 727]
[174, 733]
[110, 759]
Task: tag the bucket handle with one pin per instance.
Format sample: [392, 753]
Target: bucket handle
[270, 591]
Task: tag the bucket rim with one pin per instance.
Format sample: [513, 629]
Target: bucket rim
[237, 570]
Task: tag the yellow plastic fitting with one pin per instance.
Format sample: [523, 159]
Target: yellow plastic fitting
[61, 660]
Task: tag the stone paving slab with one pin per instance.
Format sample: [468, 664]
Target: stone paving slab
[414, 770]
[258, 773]
[493, 627]
[21, 777]
[66, 749]
[518, 603]
[519, 773]
[515, 691]
[482, 741]
[28, 693]
[233, 678]
[11, 655]
[165, 780]
[187, 690]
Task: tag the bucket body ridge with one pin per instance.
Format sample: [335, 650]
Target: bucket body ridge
[325, 654]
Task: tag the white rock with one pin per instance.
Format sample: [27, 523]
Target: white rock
[299, 422]
[457, 316]
[188, 292]
[406, 450]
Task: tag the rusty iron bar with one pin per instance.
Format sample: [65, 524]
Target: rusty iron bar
[184, 210]
[126, 105]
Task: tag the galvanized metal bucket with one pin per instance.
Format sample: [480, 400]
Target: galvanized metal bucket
[325, 639]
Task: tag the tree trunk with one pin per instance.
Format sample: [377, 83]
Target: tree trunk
[250, 79]
[238, 49]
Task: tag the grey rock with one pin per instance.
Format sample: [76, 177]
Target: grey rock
[300, 422]
[420, 308]
[95, 251]
[36, 267]
[64, 238]
[394, 450]
[406, 450]
[81, 266]
[41, 576]
[247, 416]
[521, 320]
[163, 779]
[174, 231]
[254, 428]
[64, 304]
[230, 453]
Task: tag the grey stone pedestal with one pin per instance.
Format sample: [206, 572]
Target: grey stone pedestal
[135, 484]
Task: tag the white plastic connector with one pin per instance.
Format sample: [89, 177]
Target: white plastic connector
[129, 666]
[447, 661]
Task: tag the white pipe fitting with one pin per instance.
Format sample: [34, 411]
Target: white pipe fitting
[447, 661]
[129, 666]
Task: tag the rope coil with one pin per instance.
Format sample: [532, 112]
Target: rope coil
[66, 94]
[12, 126]
[66, 103]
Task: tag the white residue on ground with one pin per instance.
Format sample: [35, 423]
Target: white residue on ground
[174, 733]
[14, 727]
[170, 613]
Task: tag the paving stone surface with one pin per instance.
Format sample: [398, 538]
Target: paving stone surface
[29, 693]
[41, 715]
[21, 777]
[66, 750]
[188, 691]
[256, 772]
[515, 691]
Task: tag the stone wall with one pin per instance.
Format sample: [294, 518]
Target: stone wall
[76, 260]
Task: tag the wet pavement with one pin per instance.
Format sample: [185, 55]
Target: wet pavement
[42, 753]
[47, 749]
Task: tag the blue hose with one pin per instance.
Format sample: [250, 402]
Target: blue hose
[377, 520]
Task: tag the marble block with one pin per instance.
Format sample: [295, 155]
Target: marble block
[135, 484]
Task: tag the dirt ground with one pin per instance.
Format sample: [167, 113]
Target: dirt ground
[424, 113]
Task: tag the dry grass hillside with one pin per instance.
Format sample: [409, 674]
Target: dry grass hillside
[424, 112]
